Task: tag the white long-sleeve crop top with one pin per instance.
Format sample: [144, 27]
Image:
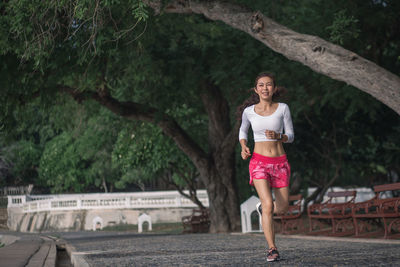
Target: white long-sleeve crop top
[280, 121]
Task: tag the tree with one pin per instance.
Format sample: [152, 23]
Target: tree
[107, 72]
[21, 148]
[79, 159]
[142, 153]
[321, 56]
[312, 51]
[65, 146]
[96, 51]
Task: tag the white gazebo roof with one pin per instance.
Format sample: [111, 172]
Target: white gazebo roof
[246, 209]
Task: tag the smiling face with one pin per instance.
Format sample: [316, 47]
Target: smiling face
[265, 88]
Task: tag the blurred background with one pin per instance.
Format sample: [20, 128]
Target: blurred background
[57, 135]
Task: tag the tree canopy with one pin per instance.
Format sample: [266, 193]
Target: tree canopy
[98, 95]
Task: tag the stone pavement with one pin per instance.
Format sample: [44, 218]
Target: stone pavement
[132, 249]
[26, 250]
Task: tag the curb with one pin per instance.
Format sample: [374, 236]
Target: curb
[77, 259]
[51, 254]
[8, 239]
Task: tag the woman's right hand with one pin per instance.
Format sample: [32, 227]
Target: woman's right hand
[245, 152]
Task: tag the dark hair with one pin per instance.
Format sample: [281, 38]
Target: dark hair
[254, 98]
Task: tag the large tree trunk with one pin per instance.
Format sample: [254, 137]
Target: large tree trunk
[221, 188]
[321, 56]
[216, 168]
[224, 213]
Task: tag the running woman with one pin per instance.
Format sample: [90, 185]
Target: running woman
[272, 125]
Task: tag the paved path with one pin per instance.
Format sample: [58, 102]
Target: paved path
[28, 250]
[130, 249]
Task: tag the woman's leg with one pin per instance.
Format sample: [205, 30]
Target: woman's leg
[281, 200]
[264, 193]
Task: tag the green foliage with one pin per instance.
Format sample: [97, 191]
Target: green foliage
[163, 62]
[142, 152]
[61, 167]
[343, 28]
[39, 29]
[139, 10]
[23, 157]
[80, 158]
[336, 130]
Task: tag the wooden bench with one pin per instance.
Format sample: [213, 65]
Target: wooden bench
[291, 221]
[377, 211]
[197, 222]
[338, 215]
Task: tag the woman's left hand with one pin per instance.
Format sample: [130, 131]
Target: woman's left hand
[271, 134]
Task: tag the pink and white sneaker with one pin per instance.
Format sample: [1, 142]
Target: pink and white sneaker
[273, 255]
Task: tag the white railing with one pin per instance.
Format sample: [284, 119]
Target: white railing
[159, 199]
[16, 190]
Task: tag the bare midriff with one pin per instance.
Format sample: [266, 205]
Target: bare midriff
[269, 148]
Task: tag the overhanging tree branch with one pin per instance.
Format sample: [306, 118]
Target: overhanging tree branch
[321, 56]
[135, 111]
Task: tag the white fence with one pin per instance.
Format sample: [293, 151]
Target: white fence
[140, 200]
[16, 190]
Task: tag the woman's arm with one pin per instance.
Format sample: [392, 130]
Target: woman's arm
[244, 128]
[288, 137]
[245, 149]
[278, 136]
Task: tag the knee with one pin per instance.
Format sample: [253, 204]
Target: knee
[282, 208]
[267, 208]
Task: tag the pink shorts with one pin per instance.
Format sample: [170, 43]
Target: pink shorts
[274, 169]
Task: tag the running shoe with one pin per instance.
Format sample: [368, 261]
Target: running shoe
[273, 255]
